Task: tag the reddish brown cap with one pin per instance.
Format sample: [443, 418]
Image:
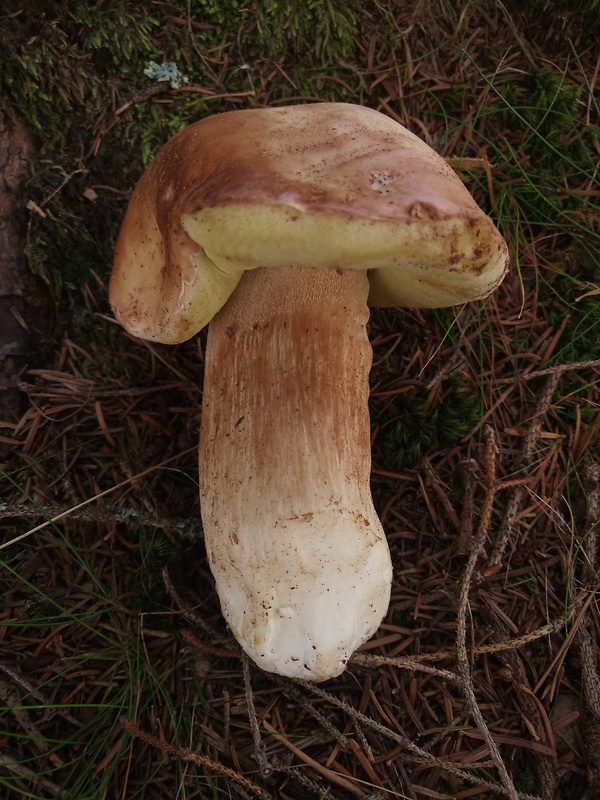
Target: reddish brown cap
[328, 185]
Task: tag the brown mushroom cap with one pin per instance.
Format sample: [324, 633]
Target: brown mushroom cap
[328, 185]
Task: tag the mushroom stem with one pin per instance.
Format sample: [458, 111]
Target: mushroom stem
[300, 560]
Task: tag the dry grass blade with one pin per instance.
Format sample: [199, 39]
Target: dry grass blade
[514, 503]
[79, 506]
[13, 765]
[328, 774]
[413, 751]
[183, 754]
[260, 750]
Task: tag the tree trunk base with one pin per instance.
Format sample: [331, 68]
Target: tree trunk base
[23, 301]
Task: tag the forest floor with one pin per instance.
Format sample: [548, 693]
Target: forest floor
[118, 675]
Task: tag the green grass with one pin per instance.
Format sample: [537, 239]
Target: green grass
[111, 637]
[125, 678]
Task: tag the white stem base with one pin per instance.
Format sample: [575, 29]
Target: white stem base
[301, 563]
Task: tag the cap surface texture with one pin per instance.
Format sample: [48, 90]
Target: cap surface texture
[328, 185]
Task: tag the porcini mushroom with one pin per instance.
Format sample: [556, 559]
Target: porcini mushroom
[277, 226]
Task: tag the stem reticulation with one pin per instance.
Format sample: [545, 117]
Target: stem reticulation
[301, 563]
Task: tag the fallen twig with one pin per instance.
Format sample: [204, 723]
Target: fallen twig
[464, 669]
[183, 754]
[558, 370]
[514, 503]
[32, 777]
[413, 751]
[84, 503]
[186, 528]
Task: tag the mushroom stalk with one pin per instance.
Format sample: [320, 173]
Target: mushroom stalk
[300, 560]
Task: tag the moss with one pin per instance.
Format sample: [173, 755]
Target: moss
[68, 67]
[324, 29]
[552, 9]
[66, 62]
[320, 30]
[404, 618]
[72, 61]
[526, 780]
[411, 428]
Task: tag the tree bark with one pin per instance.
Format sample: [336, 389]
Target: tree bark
[21, 298]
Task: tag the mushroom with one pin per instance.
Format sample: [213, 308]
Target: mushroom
[278, 226]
